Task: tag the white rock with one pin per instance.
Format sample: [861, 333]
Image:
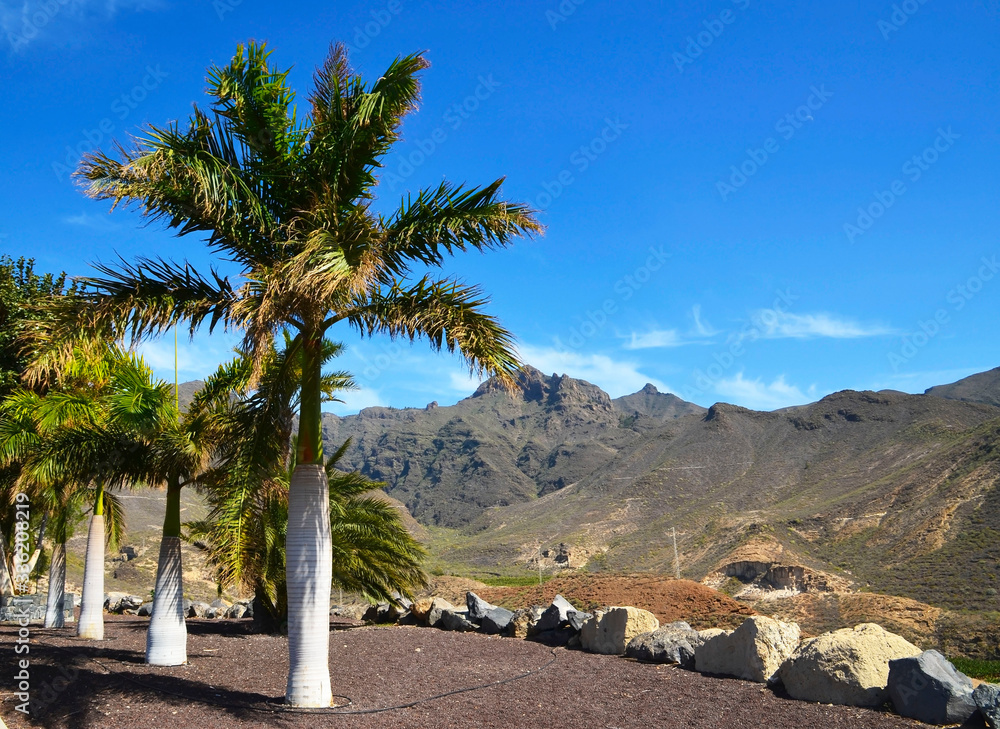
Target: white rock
[754, 651]
[609, 631]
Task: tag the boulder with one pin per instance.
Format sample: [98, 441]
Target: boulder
[198, 610]
[522, 622]
[577, 619]
[987, 698]
[930, 689]
[113, 601]
[496, 621]
[145, 610]
[609, 631]
[754, 651]
[848, 666]
[437, 609]
[456, 621]
[421, 608]
[382, 612]
[351, 612]
[478, 607]
[556, 615]
[130, 602]
[236, 612]
[219, 603]
[674, 643]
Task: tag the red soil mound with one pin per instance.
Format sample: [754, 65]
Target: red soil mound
[666, 598]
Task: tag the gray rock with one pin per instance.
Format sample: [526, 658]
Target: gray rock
[577, 619]
[220, 603]
[382, 612]
[145, 610]
[236, 612]
[478, 607]
[130, 602]
[496, 620]
[673, 643]
[928, 688]
[198, 610]
[456, 621]
[987, 698]
[351, 612]
[523, 622]
[438, 607]
[556, 615]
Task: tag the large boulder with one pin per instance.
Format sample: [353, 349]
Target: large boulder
[754, 651]
[421, 608]
[478, 607]
[382, 612]
[930, 689]
[523, 622]
[987, 698]
[145, 610]
[674, 643]
[437, 609]
[236, 612]
[198, 610]
[456, 621]
[556, 615]
[496, 621]
[609, 631]
[113, 601]
[848, 666]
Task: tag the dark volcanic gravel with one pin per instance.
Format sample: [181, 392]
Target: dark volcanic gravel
[234, 678]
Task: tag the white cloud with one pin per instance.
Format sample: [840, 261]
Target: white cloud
[24, 22]
[702, 328]
[758, 395]
[93, 222]
[774, 324]
[655, 338]
[463, 382]
[355, 400]
[614, 377]
[196, 359]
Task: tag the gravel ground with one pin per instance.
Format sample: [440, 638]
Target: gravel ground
[236, 679]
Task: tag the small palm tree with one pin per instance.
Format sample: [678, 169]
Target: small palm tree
[373, 554]
[290, 201]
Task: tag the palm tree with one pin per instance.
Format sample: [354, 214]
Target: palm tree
[290, 202]
[373, 554]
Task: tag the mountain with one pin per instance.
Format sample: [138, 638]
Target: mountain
[448, 464]
[983, 388]
[876, 490]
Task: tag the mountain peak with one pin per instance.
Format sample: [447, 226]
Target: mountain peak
[650, 389]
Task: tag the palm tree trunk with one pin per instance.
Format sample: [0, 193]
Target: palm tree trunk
[91, 625]
[166, 640]
[6, 584]
[309, 551]
[33, 560]
[54, 614]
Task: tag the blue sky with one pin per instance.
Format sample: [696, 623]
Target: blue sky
[746, 201]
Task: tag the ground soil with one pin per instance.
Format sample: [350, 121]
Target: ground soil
[394, 677]
[668, 599]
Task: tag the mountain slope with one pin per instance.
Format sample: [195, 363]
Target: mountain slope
[983, 387]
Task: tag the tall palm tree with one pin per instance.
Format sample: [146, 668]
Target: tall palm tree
[290, 202]
[373, 554]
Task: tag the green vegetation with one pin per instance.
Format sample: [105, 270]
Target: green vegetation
[976, 668]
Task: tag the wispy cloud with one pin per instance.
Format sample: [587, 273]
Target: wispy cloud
[701, 327]
[356, 400]
[615, 377]
[92, 222]
[774, 324]
[196, 359]
[25, 22]
[463, 382]
[655, 339]
[759, 395]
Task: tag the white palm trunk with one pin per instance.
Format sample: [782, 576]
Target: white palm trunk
[6, 584]
[309, 569]
[91, 625]
[166, 640]
[54, 617]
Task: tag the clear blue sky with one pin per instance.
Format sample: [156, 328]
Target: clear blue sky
[746, 201]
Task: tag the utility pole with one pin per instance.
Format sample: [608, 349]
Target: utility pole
[677, 562]
[538, 560]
